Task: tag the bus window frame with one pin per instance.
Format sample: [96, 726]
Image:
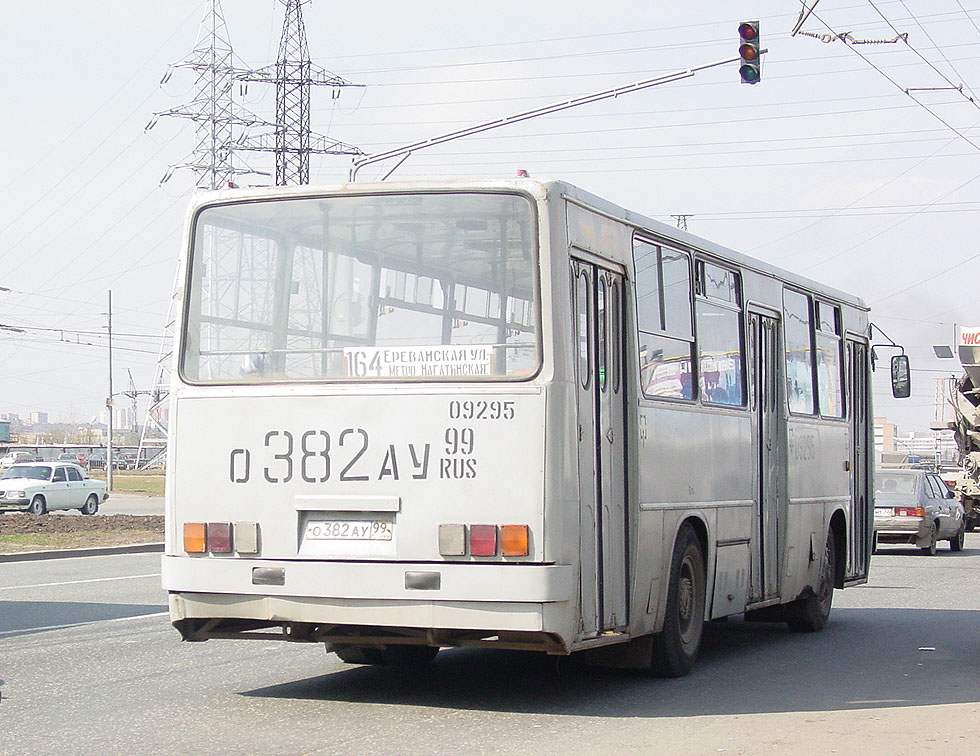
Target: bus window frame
[838, 336]
[649, 239]
[537, 232]
[701, 295]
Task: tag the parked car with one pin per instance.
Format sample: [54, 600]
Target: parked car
[916, 507]
[120, 461]
[41, 487]
[12, 458]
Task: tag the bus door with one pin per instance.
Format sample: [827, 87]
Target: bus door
[860, 519]
[768, 520]
[600, 336]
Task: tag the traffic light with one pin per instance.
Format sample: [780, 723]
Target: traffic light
[750, 67]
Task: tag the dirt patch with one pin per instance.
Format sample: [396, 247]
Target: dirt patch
[24, 532]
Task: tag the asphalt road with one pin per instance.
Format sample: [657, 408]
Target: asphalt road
[124, 503]
[89, 664]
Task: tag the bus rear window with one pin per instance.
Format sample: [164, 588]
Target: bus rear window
[429, 287]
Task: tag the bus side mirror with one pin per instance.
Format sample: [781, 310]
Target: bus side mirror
[901, 377]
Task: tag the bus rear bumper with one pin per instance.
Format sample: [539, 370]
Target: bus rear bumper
[509, 597]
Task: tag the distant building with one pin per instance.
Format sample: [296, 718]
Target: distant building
[885, 433]
[37, 418]
[931, 445]
[4, 430]
[122, 418]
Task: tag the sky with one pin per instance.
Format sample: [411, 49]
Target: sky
[855, 163]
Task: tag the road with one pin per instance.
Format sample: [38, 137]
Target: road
[89, 664]
[124, 503]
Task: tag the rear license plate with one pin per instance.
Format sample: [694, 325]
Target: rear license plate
[884, 512]
[349, 530]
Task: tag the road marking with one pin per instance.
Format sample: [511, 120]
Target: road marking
[26, 630]
[76, 582]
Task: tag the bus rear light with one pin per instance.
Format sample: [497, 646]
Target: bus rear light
[483, 540]
[195, 537]
[910, 512]
[513, 540]
[219, 537]
[452, 540]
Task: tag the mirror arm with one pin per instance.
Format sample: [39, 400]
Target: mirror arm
[872, 327]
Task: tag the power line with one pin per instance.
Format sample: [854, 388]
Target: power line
[898, 86]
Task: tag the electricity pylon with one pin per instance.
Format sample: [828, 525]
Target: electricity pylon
[214, 113]
[294, 74]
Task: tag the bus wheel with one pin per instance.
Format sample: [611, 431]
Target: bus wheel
[359, 654]
[409, 656]
[675, 648]
[810, 614]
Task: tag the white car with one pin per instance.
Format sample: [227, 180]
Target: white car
[14, 457]
[41, 487]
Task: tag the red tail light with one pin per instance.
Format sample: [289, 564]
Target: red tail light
[483, 540]
[219, 537]
[910, 511]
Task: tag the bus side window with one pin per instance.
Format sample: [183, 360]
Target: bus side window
[830, 385]
[719, 324]
[582, 317]
[666, 338]
[799, 352]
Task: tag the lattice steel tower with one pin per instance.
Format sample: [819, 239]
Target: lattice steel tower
[215, 115]
[294, 74]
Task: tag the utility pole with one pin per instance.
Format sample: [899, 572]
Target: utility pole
[108, 404]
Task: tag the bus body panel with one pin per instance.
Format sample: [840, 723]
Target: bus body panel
[409, 458]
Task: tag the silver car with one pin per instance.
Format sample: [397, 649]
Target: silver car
[40, 487]
[916, 507]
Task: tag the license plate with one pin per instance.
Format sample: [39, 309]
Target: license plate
[884, 512]
[349, 530]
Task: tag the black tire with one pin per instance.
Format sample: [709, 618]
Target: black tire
[675, 647]
[811, 613]
[409, 656]
[956, 542]
[874, 542]
[91, 505]
[359, 654]
[37, 506]
[397, 655]
[930, 550]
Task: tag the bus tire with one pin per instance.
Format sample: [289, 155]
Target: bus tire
[810, 613]
[409, 656]
[359, 654]
[675, 647]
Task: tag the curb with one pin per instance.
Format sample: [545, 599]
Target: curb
[135, 548]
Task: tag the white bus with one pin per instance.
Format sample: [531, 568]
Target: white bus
[504, 414]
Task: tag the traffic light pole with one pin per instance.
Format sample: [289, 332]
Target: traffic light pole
[407, 150]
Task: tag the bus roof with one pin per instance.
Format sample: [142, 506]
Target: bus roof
[540, 190]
